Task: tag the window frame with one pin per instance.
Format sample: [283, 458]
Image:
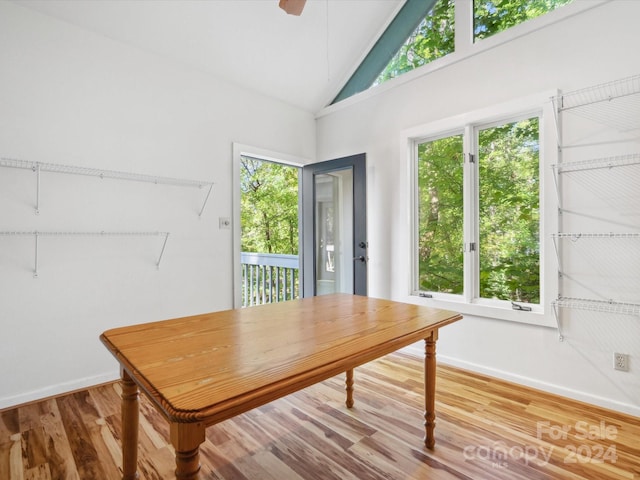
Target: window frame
[470, 124]
[465, 47]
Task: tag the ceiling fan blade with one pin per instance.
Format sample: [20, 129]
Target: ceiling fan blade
[292, 7]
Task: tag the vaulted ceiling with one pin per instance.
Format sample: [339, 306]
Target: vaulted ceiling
[303, 60]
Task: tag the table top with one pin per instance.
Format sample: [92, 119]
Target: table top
[210, 367]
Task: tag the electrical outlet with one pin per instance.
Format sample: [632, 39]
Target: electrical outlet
[621, 362]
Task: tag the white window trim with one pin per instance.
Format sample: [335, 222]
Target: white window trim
[535, 105]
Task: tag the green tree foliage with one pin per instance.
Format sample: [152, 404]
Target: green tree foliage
[440, 235]
[268, 207]
[494, 16]
[509, 217]
[510, 212]
[435, 36]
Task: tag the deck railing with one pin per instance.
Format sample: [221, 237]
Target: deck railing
[269, 278]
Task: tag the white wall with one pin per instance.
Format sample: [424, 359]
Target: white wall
[71, 97]
[592, 47]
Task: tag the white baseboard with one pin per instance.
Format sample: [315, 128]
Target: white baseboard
[610, 404]
[55, 390]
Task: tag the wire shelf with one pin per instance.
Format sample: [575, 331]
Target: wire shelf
[601, 103]
[38, 167]
[599, 265]
[613, 181]
[96, 172]
[603, 306]
[600, 93]
[84, 234]
[577, 236]
[596, 268]
[598, 163]
[37, 234]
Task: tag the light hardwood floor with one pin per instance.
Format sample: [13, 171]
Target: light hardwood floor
[486, 429]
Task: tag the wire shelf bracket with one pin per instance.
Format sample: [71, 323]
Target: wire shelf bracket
[37, 235]
[556, 314]
[38, 167]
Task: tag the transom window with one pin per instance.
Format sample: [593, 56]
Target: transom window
[425, 30]
[494, 16]
[432, 39]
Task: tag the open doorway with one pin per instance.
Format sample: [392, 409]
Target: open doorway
[269, 231]
[299, 228]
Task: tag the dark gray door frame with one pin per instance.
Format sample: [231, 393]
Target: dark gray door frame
[358, 164]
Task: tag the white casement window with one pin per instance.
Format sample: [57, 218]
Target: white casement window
[481, 206]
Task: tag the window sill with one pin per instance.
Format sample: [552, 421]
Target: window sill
[535, 317]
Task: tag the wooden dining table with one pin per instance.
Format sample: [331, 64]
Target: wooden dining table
[203, 369]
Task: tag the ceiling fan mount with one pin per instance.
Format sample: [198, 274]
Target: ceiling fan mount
[292, 7]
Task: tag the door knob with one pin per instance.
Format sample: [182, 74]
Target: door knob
[362, 258]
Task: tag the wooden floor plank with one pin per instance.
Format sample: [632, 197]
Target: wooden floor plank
[33, 448]
[106, 399]
[272, 468]
[9, 423]
[486, 429]
[62, 466]
[84, 451]
[16, 465]
[41, 472]
[5, 452]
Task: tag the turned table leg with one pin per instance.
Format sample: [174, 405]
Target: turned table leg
[349, 388]
[186, 439]
[430, 389]
[130, 412]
